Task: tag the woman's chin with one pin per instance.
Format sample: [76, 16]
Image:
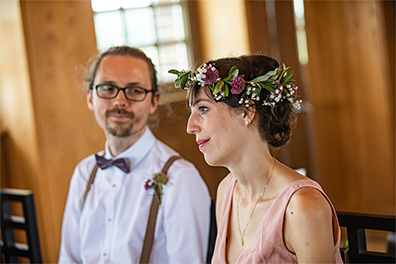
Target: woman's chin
[211, 161]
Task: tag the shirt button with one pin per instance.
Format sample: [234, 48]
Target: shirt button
[114, 185]
[109, 219]
[104, 254]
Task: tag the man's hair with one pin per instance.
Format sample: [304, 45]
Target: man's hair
[124, 51]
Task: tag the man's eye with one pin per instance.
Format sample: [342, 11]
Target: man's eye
[135, 91]
[107, 88]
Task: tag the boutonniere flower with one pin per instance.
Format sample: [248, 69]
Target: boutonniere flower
[157, 183]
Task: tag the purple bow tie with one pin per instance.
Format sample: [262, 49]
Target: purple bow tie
[105, 163]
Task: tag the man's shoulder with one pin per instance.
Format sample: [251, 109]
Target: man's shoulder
[163, 152]
[87, 164]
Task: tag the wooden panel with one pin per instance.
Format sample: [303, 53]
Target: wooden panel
[349, 91]
[256, 15]
[278, 17]
[299, 148]
[223, 28]
[389, 9]
[19, 159]
[59, 40]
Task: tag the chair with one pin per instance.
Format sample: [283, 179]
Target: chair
[212, 232]
[356, 224]
[11, 250]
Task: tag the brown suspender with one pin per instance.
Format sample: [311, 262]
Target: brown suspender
[148, 239]
[89, 183]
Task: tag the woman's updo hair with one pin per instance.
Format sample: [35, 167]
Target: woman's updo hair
[274, 122]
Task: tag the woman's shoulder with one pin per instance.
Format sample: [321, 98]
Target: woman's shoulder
[221, 189]
[308, 199]
[308, 206]
[308, 221]
[224, 182]
[305, 195]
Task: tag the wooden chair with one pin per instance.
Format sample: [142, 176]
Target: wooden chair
[356, 224]
[11, 250]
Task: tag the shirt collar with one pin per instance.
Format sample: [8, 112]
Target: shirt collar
[138, 150]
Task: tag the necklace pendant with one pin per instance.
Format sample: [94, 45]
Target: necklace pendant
[242, 242]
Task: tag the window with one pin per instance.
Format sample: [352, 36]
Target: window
[155, 26]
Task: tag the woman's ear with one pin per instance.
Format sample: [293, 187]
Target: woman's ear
[249, 112]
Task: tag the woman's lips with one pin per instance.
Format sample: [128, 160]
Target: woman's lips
[202, 142]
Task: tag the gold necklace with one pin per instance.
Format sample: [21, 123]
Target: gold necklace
[241, 234]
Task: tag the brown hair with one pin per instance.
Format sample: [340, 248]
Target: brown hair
[124, 51]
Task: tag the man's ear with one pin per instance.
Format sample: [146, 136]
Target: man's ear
[90, 99]
[154, 102]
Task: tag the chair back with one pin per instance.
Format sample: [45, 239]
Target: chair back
[212, 232]
[356, 224]
[11, 250]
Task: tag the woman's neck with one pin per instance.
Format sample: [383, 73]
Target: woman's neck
[253, 170]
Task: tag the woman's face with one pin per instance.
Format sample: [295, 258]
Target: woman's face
[217, 128]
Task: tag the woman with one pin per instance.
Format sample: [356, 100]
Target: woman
[266, 212]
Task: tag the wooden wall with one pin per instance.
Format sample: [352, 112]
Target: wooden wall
[350, 90]
[272, 32]
[44, 112]
[49, 128]
[222, 28]
[347, 135]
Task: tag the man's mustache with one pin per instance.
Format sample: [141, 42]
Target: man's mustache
[119, 111]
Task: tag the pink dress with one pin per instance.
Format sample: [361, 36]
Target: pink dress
[267, 245]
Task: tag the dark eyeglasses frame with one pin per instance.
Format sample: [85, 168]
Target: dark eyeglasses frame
[121, 89]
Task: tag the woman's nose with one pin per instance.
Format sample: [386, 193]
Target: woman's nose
[192, 126]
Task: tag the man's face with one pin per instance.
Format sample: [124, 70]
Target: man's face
[120, 117]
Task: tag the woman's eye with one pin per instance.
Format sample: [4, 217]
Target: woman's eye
[202, 109]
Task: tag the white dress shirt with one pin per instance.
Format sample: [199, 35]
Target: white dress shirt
[112, 225]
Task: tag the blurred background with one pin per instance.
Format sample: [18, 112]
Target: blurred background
[342, 52]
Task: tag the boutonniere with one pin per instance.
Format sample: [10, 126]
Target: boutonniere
[157, 182]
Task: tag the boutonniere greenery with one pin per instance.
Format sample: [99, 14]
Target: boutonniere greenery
[157, 182]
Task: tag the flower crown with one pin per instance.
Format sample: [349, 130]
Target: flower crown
[276, 82]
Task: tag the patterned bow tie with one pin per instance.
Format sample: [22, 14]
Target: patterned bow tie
[105, 163]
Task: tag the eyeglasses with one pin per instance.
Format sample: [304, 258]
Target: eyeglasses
[109, 91]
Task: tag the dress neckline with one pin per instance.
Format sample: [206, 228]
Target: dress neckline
[263, 220]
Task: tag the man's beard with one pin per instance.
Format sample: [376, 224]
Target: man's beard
[121, 129]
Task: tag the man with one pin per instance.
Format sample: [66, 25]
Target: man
[107, 223]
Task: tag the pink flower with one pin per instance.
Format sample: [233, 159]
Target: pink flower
[147, 185]
[211, 75]
[238, 85]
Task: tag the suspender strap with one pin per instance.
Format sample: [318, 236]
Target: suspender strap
[89, 183]
[148, 239]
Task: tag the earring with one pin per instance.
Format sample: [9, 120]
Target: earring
[247, 122]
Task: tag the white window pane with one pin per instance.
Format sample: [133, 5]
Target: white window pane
[104, 5]
[140, 27]
[172, 57]
[169, 22]
[165, 1]
[109, 29]
[135, 3]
